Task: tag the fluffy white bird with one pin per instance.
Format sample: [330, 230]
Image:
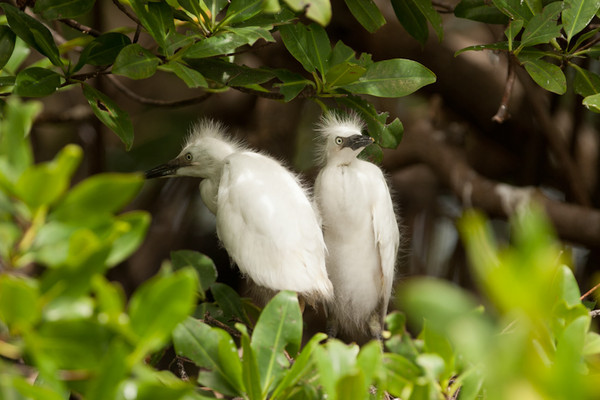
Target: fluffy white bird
[265, 219]
[360, 230]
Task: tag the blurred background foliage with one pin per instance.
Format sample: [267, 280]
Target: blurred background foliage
[93, 291]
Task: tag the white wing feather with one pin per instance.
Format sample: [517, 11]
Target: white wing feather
[269, 228]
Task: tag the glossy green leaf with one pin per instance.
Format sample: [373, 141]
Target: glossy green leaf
[334, 361]
[56, 9]
[103, 50]
[229, 73]
[200, 343]
[592, 103]
[341, 54]
[515, 9]
[548, 76]
[577, 15]
[242, 10]
[344, 74]
[480, 10]
[317, 10]
[44, 183]
[110, 114]
[250, 374]
[131, 233]
[392, 78]
[542, 27]
[19, 297]
[512, 31]
[367, 13]
[279, 327]
[203, 265]
[291, 84]
[36, 82]
[135, 62]
[103, 193]
[220, 44]
[191, 77]
[156, 17]
[197, 8]
[434, 18]
[33, 32]
[159, 305]
[308, 44]
[301, 367]
[7, 44]
[411, 19]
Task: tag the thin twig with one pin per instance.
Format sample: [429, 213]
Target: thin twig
[80, 27]
[154, 102]
[589, 292]
[209, 320]
[502, 113]
[136, 35]
[126, 12]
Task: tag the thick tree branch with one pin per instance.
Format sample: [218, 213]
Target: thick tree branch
[572, 222]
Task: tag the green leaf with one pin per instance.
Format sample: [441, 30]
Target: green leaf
[515, 9]
[229, 301]
[411, 19]
[110, 114]
[250, 369]
[592, 103]
[36, 82]
[291, 84]
[569, 289]
[159, 305]
[500, 46]
[370, 361]
[103, 50]
[335, 360]
[367, 13]
[512, 31]
[438, 344]
[221, 44]
[203, 265]
[242, 10]
[191, 77]
[307, 44]
[200, 343]
[548, 76]
[15, 147]
[317, 10]
[279, 327]
[102, 193]
[230, 74]
[7, 44]
[44, 183]
[6, 81]
[33, 32]
[132, 228]
[426, 8]
[301, 367]
[135, 62]
[480, 10]
[19, 296]
[392, 78]
[542, 27]
[577, 15]
[111, 372]
[56, 9]
[344, 74]
[156, 17]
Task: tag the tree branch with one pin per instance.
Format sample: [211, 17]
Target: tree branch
[572, 222]
[502, 113]
[125, 11]
[80, 27]
[154, 102]
[553, 135]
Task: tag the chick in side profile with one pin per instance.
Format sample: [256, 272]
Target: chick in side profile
[360, 230]
[265, 218]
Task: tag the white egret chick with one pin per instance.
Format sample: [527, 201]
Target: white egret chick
[265, 219]
[360, 230]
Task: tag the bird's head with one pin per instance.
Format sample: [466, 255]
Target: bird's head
[202, 155]
[342, 138]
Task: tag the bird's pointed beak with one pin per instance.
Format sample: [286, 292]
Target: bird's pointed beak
[356, 142]
[168, 169]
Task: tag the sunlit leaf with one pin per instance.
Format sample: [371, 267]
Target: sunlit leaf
[542, 27]
[308, 44]
[547, 75]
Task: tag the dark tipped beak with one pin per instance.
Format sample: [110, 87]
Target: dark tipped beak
[167, 169]
[358, 141]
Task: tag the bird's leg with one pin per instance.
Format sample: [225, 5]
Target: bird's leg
[375, 325]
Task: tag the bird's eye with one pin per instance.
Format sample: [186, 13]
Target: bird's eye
[188, 156]
[339, 140]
